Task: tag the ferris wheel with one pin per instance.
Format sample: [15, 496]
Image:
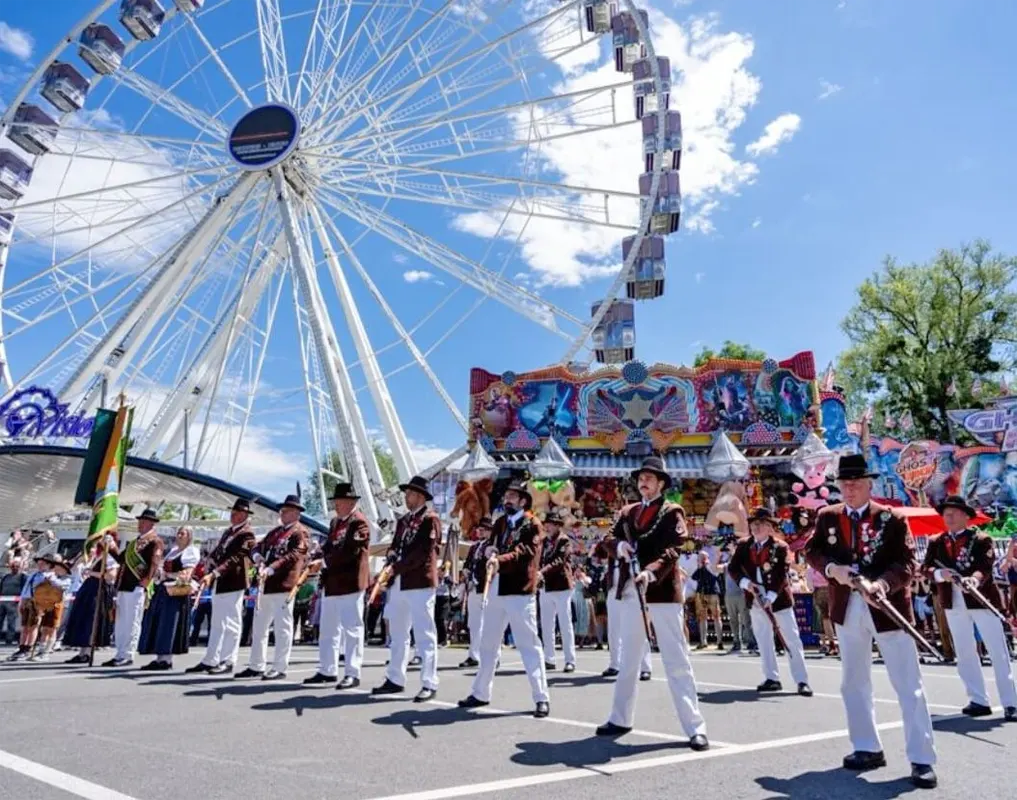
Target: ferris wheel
[188, 191]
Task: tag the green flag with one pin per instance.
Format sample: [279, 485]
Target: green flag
[106, 503]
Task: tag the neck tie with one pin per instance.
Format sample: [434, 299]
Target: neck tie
[856, 519]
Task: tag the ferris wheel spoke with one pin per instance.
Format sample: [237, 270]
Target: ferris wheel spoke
[273, 51]
[214, 55]
[325, 22]
[167, 100]
[529, 304]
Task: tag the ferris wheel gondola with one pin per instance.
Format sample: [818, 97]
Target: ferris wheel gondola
[209, 173]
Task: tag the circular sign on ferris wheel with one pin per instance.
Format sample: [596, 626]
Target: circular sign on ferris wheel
[264, 136]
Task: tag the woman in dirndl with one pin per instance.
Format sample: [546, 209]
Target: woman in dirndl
[165, 628]
[97, 587]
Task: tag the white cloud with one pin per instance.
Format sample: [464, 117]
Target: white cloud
[15, 41]
[775, 134]
[827, 89]
[425, 455]
[400, 258]
[417, 276]
[757, 222]
[700, 276]
[712, 88]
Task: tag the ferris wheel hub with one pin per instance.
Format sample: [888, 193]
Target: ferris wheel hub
[264, 137]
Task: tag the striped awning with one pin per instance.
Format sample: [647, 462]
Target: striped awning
[687, 464]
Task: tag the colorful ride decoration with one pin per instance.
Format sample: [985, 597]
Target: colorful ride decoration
[635, 406]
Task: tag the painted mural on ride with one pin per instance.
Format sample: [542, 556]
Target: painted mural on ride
[985, 473]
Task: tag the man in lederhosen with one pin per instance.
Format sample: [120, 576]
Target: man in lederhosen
[646, 542]
[868, 554]
[345, 574]
[475, 573]
[280, 558]
[227, 567]
[556, 594]
[513, 556]
[413, 559]
[759, 566]
[139, 563]
[967, 556]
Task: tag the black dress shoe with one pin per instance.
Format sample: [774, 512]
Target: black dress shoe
[472, 702]
[610, 672]
[804, 690]
[317, 679]
[273, 675]
[151, 666]
[348, 682]
[976, 710]
[542, 710]
[769, 686]
[416, 661]
[78, 659]
[923, 776]
[610, 729]
[469, 662]
[569, 668]
[247, 673]
[424, 695]
[111, 663]
[1010, 714]
[549, 666]
[387, 688]
[227, 669]
[859, 761]
[699, 743]
[199, 667]
[645, 676]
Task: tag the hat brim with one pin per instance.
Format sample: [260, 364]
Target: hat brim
[959, 506]
[247, 510]
[409, 487]
[776, 523]
[857, 477]
[297, 506]
[149, 517]
[345, 497]
[657, 472]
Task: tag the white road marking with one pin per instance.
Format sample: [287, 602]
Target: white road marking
[575, 773]
[60, 780]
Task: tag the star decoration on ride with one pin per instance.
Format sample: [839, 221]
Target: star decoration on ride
[637, 410]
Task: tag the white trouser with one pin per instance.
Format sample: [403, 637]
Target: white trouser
[414, 609]
[224, 630]
[520, 612]
[475, 616]
[669, 624]
[962, 622]
[615, 638]
[762, 629]
[277, 610]
[901, 658]
[127, 628]
[342, 630]
[557, 604]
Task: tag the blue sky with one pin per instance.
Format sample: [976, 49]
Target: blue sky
[901, 118]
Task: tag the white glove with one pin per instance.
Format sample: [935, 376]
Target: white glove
[490, 552]
[624, 551]
[492, 564]
[257, 558]
[645, 577]
[269, 572]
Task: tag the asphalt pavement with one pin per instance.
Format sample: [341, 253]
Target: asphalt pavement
[110, 734]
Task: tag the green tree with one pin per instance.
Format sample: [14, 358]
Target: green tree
[731, 350]
[173, 511]
[334, 462]
[922, 333]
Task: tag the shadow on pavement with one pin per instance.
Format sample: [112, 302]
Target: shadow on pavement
[724, 697]
[585, 753]
[413, 719]
[324, 702]
[834, 783]
[967, 726]
[245, 690]
[573, 681]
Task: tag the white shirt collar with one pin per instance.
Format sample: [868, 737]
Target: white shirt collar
[651, 501]
[859, 511]
[517, 516]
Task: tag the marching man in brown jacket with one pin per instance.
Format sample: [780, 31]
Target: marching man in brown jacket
[227, 566]
[513, 556]
[966, 557]
[759, 566]
[344, 577]
[413, 559]
[645, 542]
[280, 557]
[475, 573]
[556, 594]
[868, 554]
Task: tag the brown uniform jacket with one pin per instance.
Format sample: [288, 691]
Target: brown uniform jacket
[556, 564]
[345, 556]
[229, 560]
[972, 554]
[769, 563]
[284, 551]
[413, 553]
[882, 549]
[657, 533]
[152, 552]
[518, 554]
